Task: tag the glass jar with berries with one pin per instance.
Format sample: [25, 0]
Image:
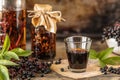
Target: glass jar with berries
[111, 34]
[43, 31]
[13, 22]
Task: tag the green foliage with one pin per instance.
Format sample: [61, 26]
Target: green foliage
[9, 55]
[7, 63]
[6, 44]
[93, 54]
[4, 73]
[105, 53]
[6, 56]
[102, 64]
[21, 52]
[104, 57]
[112, 60]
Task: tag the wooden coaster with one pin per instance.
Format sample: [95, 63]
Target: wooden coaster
[92, 70]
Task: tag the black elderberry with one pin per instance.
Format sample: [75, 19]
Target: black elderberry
[114, 71]
[57, 62]
[105, 73]
[24, 72]
[45, 72]
[117, 72]
[23, 77]
[60, 59]
[104, 70]
[42, 70]
[110, 70]
[49, 64]
[28, 78]
[41, 75]
[62, 69]
[112, 31]
[29, 68]
[48, 70]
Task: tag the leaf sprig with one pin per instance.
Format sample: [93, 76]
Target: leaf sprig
[6, 55]
[104, 57]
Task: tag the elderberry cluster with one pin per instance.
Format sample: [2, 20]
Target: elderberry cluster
[107, 69]
[112, 32]
[28, 68]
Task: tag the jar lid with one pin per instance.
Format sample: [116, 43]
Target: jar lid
[42, 7]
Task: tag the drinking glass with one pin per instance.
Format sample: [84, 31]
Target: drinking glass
[77, 49]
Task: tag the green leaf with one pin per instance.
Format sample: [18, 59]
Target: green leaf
[105, 53]
[9, 54]
[112, 60]
[102, 64]
[1, 76]
[93, 54]
[7, 63]
[1, 57]
[0, 51]
[21, 52]
[17, 50]
[25, 53]
[4, 72]
[6, 44]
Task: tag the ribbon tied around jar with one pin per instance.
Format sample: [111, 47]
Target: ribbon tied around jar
[42, 15]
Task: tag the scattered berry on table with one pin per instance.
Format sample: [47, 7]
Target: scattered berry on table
[57, 62]
[112, 70]
[62, 69]
[41, 75]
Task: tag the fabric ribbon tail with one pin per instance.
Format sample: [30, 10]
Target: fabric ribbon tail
[52, 24]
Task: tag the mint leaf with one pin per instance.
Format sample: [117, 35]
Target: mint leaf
[9, 54]
[4, 72]
[1, 57]
[112, 60]
[1, 76]
[105, 53]
[17, 50]
[102, 64]
[21, 52]
[6, 44]
[25, 53]
[93, 54]
[6, 56]
[7, 63]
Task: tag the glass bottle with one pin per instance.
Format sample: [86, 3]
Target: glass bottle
[13, 22]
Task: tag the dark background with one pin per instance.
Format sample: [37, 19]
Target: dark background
[83, 17]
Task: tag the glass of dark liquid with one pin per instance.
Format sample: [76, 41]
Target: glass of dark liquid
[77, 49]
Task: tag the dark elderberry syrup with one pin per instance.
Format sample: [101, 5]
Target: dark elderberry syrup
[77, 58]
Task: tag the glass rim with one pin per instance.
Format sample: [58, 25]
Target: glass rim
[67, 41]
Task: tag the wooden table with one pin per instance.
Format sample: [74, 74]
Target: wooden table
[97, 45]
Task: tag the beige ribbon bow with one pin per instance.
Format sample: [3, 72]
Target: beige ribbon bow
[47, 19]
